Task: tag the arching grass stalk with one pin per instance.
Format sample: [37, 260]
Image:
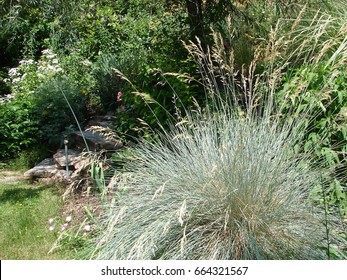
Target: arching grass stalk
[77, 122]
[326, 223]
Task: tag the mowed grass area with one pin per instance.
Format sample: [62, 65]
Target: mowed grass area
[24, 212]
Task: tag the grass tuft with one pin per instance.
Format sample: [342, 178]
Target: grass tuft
[221, 187]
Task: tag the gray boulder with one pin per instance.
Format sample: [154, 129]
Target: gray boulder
[95, 141]
[45, 169]
[60, 158]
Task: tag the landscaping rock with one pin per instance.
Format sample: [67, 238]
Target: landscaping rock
[82, 164]
[54, 169]
[106, 121]
[95, 141]
[60, 176]
[45, 169]
[60, 158]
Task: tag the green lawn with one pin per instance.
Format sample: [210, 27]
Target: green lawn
[24, 212]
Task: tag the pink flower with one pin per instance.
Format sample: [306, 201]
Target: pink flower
[119, 96]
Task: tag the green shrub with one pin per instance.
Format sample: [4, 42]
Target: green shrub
[108, 83]
[322, 92]
[53, 113]
[28, 157]
[314, 88]
[36, 110]
[18, 127]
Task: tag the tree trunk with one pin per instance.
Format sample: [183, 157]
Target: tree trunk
[195, 19]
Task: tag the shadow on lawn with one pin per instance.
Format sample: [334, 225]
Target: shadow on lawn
[17, 194]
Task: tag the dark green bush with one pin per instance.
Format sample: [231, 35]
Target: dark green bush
[53, 113]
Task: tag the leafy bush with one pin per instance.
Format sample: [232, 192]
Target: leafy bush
[18, 128]
[108, 83]
[322, 91]
[36, 110]
[314, 88]
[88, 41]
[53, 112]
[37, 100]
[28, 157]
[22, 29]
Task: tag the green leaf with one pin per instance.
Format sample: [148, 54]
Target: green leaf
[331, 157]
[339, 190]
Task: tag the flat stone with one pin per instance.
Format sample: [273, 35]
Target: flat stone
[60, 158]
[95, 141]
[45, 169]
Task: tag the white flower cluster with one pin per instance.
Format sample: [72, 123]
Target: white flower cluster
[30, 73]
[6, 98]
[48, 65]
[19, 73]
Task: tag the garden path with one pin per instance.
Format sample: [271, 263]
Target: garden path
[10, 177]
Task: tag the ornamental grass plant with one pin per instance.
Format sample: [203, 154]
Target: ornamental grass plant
[219, 188]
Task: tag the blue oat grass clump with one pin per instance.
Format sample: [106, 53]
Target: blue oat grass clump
[217, 187]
